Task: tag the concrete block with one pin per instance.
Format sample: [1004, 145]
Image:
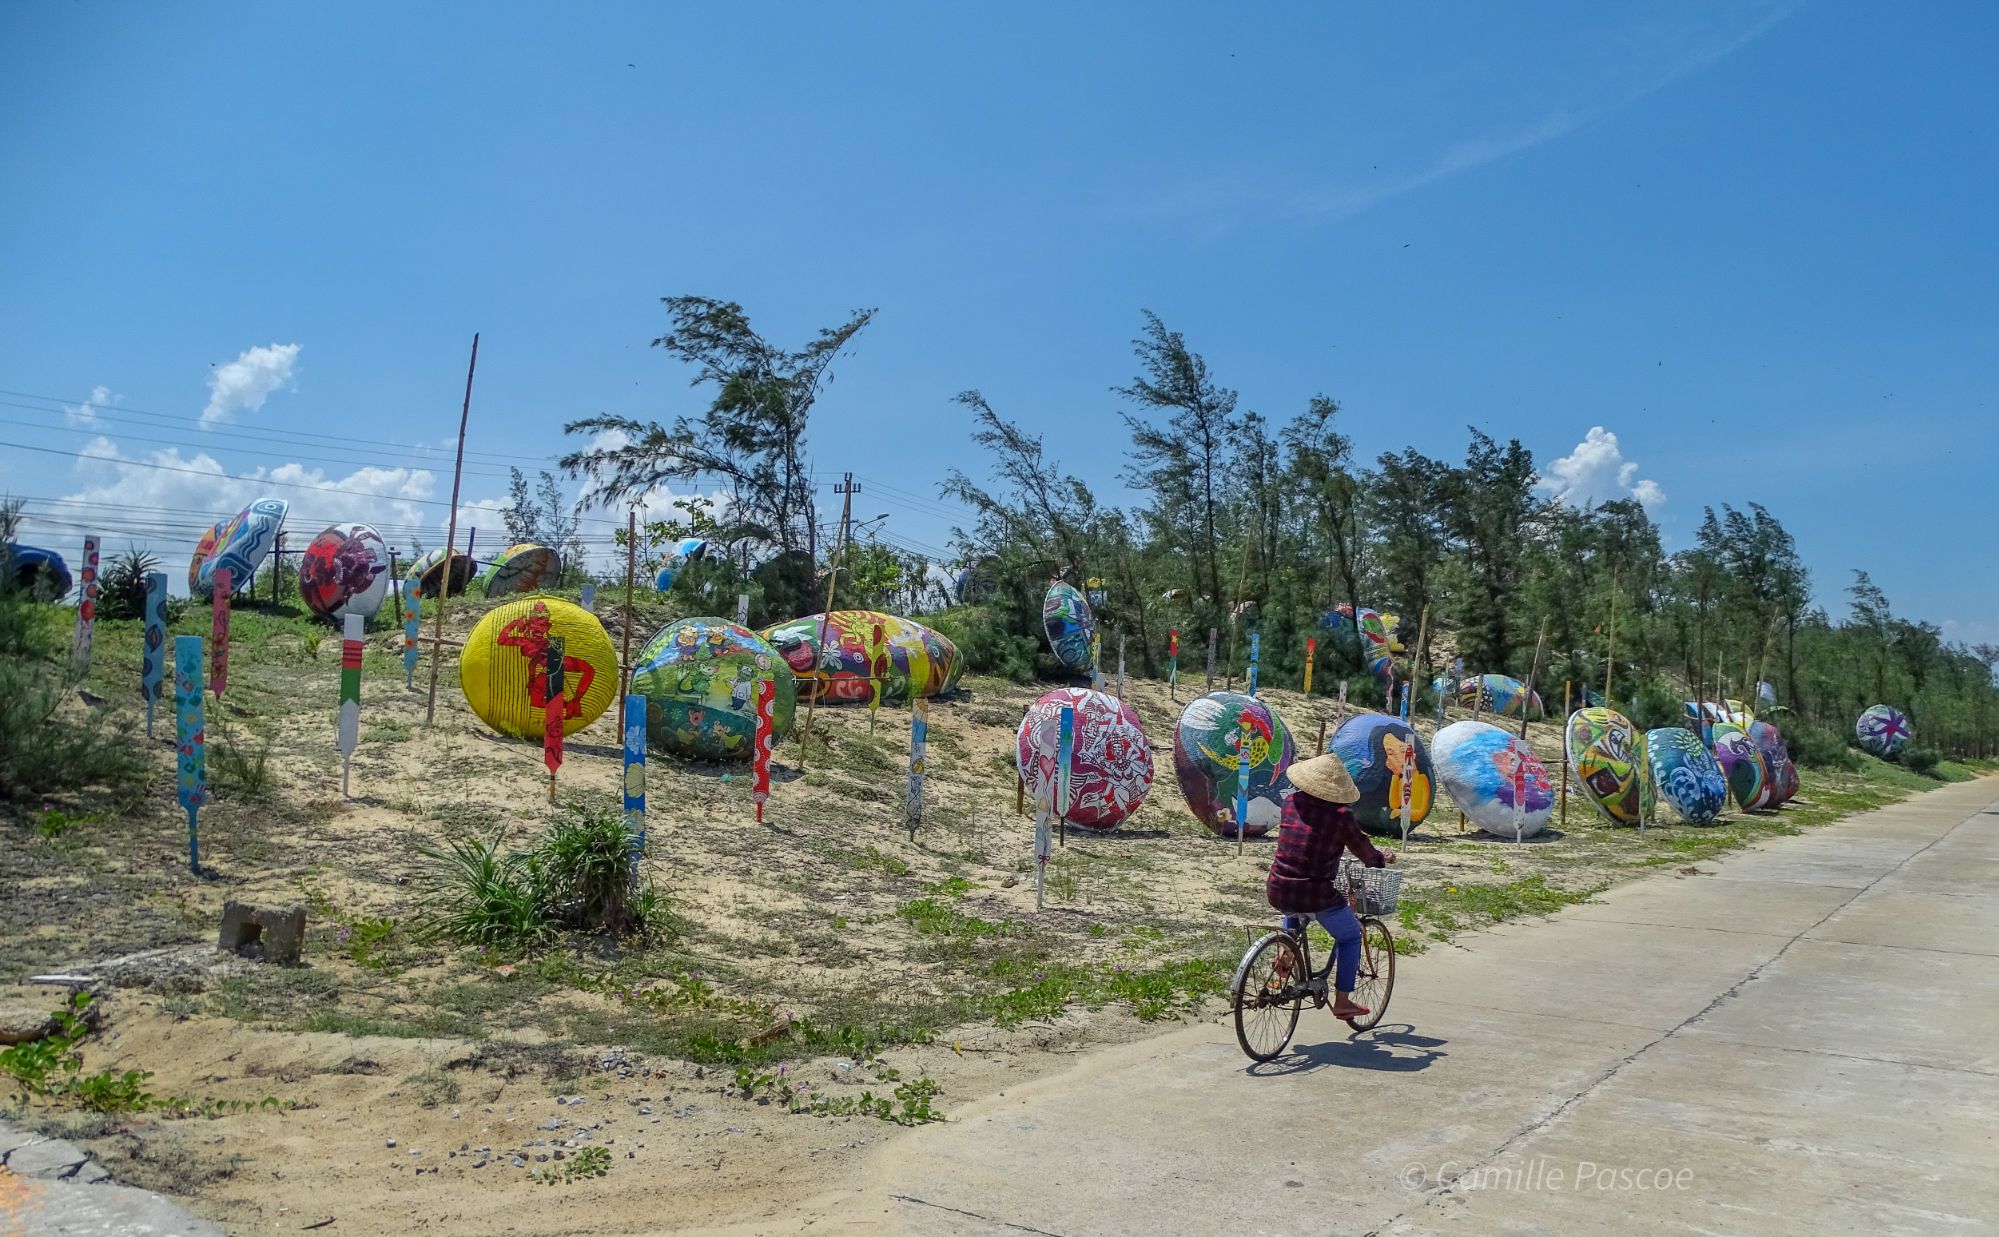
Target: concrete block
[269, 934]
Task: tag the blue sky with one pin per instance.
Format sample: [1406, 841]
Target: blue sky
[1749, 240]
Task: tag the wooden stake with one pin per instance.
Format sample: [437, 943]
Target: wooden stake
[1321, 748]
[451, 531]
[1422, 647]
[1527, 701]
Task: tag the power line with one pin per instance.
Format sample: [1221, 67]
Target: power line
[333, 438]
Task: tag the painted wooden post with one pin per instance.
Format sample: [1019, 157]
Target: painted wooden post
[218, 634]
[919, 734]
[412, 627]
[742, 609]
[1408, 781]
[153, 655]
[347, 734]
[1173, 664]
[1065, 751]
[635, 778]
[877, 656]
[1096, 661]
[86, 610]
[1121, 684]
[1311, 656]
[1213, 635]
[590, 597]
[190, 740]
[1043, 843]
[1244, 766]
[1519, 796]
[1255, 656]
[551, 713]
[760, 766]
[1408, 694]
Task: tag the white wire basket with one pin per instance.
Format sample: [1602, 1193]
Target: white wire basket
[1375, 891]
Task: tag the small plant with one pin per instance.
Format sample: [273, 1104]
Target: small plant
[54, 823]
[584, 871]
[121, 589]
[365, 938]
[474, 894]
[50, 1069]
[241, 773]
[589, 1162]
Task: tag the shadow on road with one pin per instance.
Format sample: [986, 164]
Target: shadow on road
[1395, 1049]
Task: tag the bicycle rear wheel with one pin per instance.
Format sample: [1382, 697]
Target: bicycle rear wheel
[1376, 980]
[1269, 989]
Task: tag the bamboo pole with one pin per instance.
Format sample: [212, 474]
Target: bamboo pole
[1610, 642]
[1527, 701]
[451, 532]
[1417, 657]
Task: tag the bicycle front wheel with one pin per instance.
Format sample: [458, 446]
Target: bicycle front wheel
[1269, 989]
[1376, 980]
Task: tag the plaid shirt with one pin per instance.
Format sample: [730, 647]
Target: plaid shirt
[1309, 841]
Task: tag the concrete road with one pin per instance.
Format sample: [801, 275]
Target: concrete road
[1805, 1041]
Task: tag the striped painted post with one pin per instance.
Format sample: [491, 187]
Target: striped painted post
[1173, 664]
[919, 736]
[412, 629]
[1255, 655]
[765, 741]
[190, 740]
[551, 713]
[1065, 751]
[218, 632]
[348, 734]
[635, 777]
[153, 655]
[86, 609]
[1244, 765]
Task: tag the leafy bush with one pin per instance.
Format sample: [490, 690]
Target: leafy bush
[1923, 760]
[1812, 747]
[121, 590]
[476, 895]
[1655, 706]
[579, 877]
[43, 746]
[988, 643]
[583, 872]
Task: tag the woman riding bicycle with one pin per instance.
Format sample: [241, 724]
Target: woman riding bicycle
[1304, 876]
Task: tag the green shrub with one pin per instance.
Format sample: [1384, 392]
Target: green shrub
[121, 590]
[988, 643]
[1815, 748]
[583, 872]
[1655, 706]
[475, 895]
[1923, 760]
[579, 877]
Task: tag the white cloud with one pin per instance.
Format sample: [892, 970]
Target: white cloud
[1597, 472]
[162, 500]
[86, 413]
[243, 384]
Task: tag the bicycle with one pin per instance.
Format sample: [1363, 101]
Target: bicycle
[1275, 976]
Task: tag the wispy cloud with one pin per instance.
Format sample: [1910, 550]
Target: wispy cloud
[86, 412]
[1581, 86]
[1654, 57]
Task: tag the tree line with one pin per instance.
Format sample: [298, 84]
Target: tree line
[1248, 522]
